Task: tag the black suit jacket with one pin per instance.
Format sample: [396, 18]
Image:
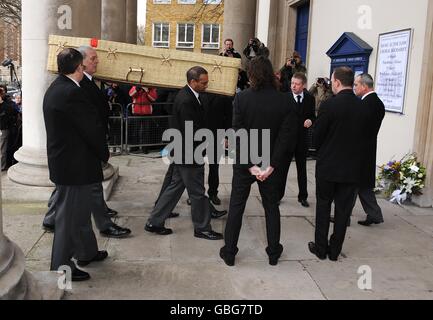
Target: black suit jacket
[75, 137]
[98, 100]
[218, 111]
[339, 138]
[187, 108]
[375, 110]
[307, 110]
[262, 109]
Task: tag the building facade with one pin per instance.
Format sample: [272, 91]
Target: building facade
[191, 25]
[10, 48]
[313, 27]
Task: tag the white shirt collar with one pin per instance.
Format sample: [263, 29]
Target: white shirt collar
[88, 75]
[196, 94]
[296, 96]
[367, 94]
[75, 81]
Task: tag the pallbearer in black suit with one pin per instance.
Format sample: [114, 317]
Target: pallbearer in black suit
[187, 111]
[76, 146]
[101, 213]
[364, 89]
[303, 103]
[261, 107]
[339, 137]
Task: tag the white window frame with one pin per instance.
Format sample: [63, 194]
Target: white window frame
[186, 1]
[203, 43]
[161, 1]
[211, 1]
[161, 41]
[180, 44]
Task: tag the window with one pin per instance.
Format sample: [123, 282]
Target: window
[185, 35]
[161, 1]
[211, 1]
[186, 1]
[161, 35]
[211, 36]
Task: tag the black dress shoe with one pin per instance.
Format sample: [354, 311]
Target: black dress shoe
[218, 214]
[275, 255]
[229, 260]
[48, 227]
[208, 235]
[368, 222]
[188, 201]
[173, 215]
[100, 256]
[215, 200]
[79, 275]
[162, 231]
[313, 249]
[116, 232]
[111, 213]
[304, 203]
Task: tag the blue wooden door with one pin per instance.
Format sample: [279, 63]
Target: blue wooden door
[302, 30]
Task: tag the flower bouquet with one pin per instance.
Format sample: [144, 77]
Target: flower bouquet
[401, 179]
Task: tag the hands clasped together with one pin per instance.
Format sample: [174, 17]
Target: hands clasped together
[260, 174]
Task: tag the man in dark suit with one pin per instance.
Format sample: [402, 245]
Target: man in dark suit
[188, 171]
[303, 104]
[76, 146]
[100, 210]
[261, 108]
[338, 135]
[364, 89]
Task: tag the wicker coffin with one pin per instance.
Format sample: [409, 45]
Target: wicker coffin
[127, 63]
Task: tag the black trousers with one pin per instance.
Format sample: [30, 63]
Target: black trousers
[213, 179]
[241, 186]
[300, 155]
[342, 194]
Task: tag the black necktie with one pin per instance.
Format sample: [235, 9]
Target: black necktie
[299, 99]
[199, 100]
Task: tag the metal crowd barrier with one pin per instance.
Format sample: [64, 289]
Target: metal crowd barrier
[116, 129]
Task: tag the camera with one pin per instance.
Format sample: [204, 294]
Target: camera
[293, 61]
[321, 81]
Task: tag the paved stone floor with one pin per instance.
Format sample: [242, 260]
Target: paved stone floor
[144, 266]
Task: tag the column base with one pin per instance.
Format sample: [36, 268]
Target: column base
[425, 200]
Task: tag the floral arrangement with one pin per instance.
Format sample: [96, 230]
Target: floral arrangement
[401, 179]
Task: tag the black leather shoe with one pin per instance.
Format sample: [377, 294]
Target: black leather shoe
[116, 232]
[100, 256]
[215, 200]
[218, 214]
[162, 231]
[111, 213]
[173, 215]
[229, 260]
[208, 235]
[48, 227]
[188, 201]
[368, 222]
[304, 203]
[275, 255]
[79, 275]
[313, 249]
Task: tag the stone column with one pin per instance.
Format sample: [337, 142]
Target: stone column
[239, 22]
[114, 20]
[40, 19]
[131, 21]
[15, 282]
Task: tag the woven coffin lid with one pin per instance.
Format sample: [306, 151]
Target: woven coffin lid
[128, 63]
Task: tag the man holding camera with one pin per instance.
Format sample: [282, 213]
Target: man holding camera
[8, 116]
[293, 65]
[255, 48]
[229, 50]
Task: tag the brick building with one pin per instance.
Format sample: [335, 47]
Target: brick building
[192, 25]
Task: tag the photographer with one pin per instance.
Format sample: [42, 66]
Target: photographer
[229, 50]
[293, 65]
[321, 90]
[8, 117]
[256, 48]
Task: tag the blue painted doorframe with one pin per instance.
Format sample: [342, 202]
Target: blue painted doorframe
[302, 30]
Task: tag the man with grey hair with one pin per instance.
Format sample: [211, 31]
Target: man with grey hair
[100, 210]
[364, 89]
[187, 109]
